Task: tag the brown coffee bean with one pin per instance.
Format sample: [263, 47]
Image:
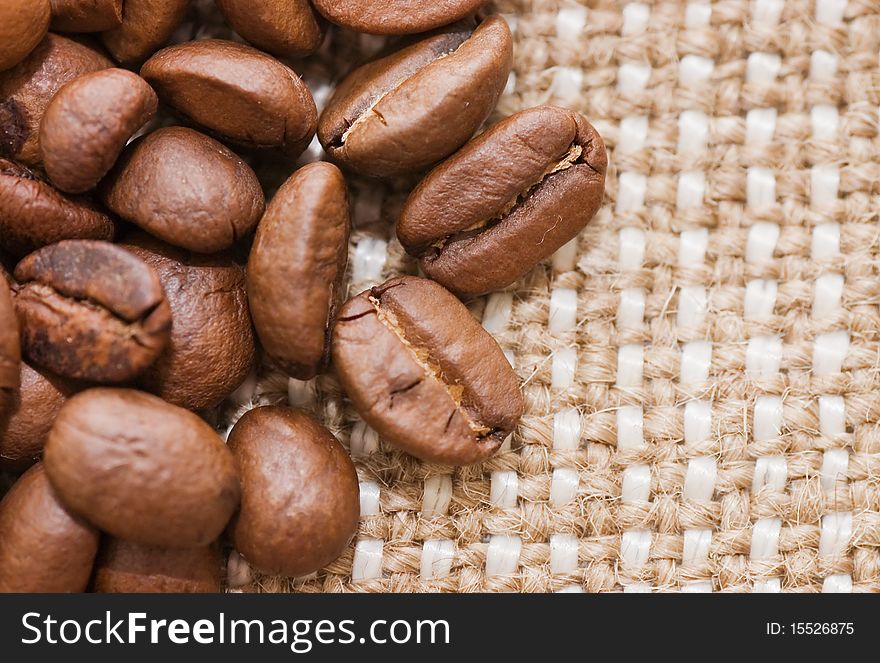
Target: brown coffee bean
[423, 373]
[33, 213]
[284, 28]
[412, 108]
[521, 190]
[44, 547]
[10, 347]
[299, 492]
[141, 469]
[236, 92]
[296, 267]
[212, 341]
[33, 408]
[187, 189]
[86, 15]
[146, 26]
[23, 24]
[26, 90]
[102, 110]
[91, 310]
[130, 568]
[396, 17]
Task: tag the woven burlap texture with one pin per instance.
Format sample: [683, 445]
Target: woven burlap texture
[700, 367]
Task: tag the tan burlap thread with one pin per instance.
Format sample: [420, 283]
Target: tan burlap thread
[719, 430]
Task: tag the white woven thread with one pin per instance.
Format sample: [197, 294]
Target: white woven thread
[829, 349]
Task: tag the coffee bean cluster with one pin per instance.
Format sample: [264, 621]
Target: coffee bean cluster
[142, 273]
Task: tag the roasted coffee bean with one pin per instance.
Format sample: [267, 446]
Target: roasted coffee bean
[23, 24]
[33, 213]
[410, 109]
[296, 268]
[299, 492]
[522, 189]
[99, 111]
[33, 408]
[284, 28]
[396, 17]
[423, 373]
[91, 310]
[141, 469]
[146, 26]
[236, 92]
[26, 90]
[86, 15]
[187, 189]
[125, 567]
[43, 547]
[212, 341]
[10, 350]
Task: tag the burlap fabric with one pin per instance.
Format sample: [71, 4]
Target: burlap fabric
[700, 367]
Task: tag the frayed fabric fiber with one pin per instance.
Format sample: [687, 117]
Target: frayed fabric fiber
[701, 366]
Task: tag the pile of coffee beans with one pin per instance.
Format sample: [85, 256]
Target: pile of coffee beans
[144, 275]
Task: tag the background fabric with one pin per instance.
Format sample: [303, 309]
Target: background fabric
[701, 366]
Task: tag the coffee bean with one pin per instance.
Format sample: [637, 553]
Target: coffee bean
[141, 469]
[522, 189]
[146, 26]
[410, 109]
[32, 410]
[91, 310]
[33, 213]
[102, 110]
[86, 15]
[44, 547]
[423, 373]
[125, 567]
[299, 492]
[10, 348]
[212, 342]
[187, 189]
[395, 17]
[296, 268]
[284, 28]
[23, 24]
[236, 92]
[26, 90]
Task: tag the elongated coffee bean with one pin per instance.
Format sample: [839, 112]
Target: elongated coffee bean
[186, 189]
[103, 111]
[27, 89]
[86, 15]
[522, 189]
[146, 26]
[410, 109]
[141, 469]
[284, 28]
[131, 568]
[33, 213]
[91, 310]
[396, 17]
[212, 348]
[235, 91]
[296, 267]
[44, 546]
[23, 23]
[423, 373]
[299, 492]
